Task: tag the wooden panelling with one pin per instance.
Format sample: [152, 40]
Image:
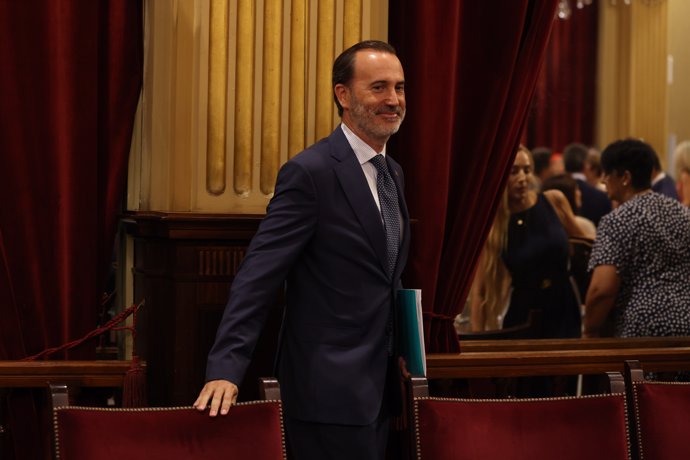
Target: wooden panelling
[232, 89]
[184, 266]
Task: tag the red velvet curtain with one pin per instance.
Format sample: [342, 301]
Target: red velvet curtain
[563, 109]
[70, 77]
[470, 71]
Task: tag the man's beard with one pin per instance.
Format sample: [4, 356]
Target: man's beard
[366, 119]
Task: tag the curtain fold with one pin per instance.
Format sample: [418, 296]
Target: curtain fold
[70, 77]
[563, 109]
[470, 72]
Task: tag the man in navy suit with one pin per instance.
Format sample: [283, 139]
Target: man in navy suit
[595, 202]
[324, 238]
[662, 182]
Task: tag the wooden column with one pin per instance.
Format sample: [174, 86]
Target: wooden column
[183, 267]
[633, 90]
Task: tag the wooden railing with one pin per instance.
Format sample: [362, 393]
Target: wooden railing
[479, 358]
[511, 358]
[37, 374]
[73, 374]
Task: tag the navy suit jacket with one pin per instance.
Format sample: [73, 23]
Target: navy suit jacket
[323, 237]
[666, 186]
[595, 203]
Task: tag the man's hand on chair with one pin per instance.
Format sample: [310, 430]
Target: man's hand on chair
[220, 394]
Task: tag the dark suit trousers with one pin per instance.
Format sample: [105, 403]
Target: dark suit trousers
[323, 441]
[320, 441]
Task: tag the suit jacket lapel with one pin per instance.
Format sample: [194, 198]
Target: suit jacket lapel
[354, 184]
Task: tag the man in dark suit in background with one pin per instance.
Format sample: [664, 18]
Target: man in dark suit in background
[595, 203]
[662, 182]
[339, 243]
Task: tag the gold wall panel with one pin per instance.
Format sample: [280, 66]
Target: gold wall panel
[352, 23]
[298, 77]
[233, 89]
[217, 100]
[633, 91]
[244, 97]
[325, 54]
[271, 95]
[679, 90]
[649, 88]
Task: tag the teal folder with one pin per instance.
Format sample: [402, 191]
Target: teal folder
[411, 330]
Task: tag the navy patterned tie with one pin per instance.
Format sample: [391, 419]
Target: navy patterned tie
[390, 210]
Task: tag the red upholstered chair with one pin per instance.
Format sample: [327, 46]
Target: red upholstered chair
[568, 428]
[252, 430]
[660, 414]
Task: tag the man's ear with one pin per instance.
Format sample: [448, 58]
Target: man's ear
[342, 92]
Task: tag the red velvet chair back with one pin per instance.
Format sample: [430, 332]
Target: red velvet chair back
[662, 414]
[252, 430]
[588, 427]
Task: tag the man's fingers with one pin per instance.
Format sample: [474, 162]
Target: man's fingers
[202, 400]
[229, 398]
[219, 394]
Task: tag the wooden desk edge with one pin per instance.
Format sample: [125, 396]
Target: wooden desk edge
[554, 362]
[37, 374]
[573, 344]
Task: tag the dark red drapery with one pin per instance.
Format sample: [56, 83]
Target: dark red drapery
[70, 76]
[470, 71]
[563, 109]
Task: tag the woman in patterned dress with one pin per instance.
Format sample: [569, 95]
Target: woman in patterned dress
[641, 255]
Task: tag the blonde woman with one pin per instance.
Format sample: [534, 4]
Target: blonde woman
[682, 158]
[529, 243]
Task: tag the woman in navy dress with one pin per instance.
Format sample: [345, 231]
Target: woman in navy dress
[529, 243]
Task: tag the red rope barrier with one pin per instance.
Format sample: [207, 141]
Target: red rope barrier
[110, 325]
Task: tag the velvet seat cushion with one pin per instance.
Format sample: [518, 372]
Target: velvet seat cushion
[250, 431]
[662, 411]
[590, 427]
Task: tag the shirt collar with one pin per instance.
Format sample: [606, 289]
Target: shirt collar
[658, 177]
[362, 150]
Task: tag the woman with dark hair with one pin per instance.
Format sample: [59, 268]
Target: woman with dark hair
[641, 255]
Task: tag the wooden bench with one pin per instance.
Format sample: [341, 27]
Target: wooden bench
[75, 374]
[558, 357]
[37, 374]
[573, 344]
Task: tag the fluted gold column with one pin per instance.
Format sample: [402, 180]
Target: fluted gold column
[625, 100]
[649, 88]
[352, 23]
[271, 100]
[234, 88]
[244, 97]
[217, 100]
[679, 90]
[325, 50]
[632, 99]
[298, 73]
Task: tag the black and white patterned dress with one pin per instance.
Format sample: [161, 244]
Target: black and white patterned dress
[647, 239]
